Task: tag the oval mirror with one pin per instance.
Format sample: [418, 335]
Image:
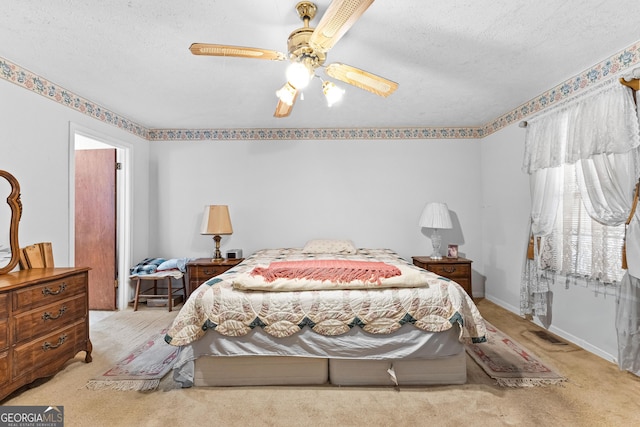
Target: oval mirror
[9, 218]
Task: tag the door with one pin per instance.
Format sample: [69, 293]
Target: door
[95, 224]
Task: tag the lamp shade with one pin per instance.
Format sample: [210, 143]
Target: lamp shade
[436, 215]
[216, 220]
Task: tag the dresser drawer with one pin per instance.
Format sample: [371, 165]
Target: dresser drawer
[52, 291]
[54, 349]
[49, 317]
[456, 269]
[203, 269]
[204, 273]
[452, 271]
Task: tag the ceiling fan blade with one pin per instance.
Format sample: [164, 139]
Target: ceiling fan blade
[238, 51]
[361, 79]
[336, 21]
[283, 109]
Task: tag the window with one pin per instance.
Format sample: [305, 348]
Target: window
[579, 246]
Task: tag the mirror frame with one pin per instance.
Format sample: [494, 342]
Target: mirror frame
[15, 204]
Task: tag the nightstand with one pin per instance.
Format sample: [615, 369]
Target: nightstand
[203, 269]
[456, 269]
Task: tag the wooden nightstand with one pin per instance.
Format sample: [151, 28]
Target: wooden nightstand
[203, 269]
[456, 269]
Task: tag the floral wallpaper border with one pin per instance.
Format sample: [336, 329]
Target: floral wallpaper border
[28, 80]
[606, 69]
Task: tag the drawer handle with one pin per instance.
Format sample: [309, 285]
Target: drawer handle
[49, 316]
[48, 346]
[449, 269]
[47, 291]
[209, 272]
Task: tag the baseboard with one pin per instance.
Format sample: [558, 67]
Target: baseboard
[559, 332]
[503, 304]
[581, 343]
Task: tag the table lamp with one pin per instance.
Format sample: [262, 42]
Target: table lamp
[436, 215]
[216, 222]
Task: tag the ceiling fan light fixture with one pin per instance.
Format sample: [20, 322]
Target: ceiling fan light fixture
[286, 93]
[332, 92]
[299, 75]
[307, 49]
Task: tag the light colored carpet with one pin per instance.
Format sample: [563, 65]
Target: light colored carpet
[596, 393]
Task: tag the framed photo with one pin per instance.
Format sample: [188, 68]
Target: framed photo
[452, 251]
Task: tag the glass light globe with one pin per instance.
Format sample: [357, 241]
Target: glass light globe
[286, 93]
[298, 75]
[332, 93]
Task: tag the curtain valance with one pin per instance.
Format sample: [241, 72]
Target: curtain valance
[603, 122]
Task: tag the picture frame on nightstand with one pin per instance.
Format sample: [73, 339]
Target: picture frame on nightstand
[452, 251]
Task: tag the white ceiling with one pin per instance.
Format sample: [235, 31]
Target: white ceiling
[459, 63]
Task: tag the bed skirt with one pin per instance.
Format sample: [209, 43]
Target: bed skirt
[406, 357]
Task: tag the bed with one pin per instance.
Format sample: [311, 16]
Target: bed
[325, 313]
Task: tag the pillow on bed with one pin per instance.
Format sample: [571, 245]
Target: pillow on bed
[329, 246]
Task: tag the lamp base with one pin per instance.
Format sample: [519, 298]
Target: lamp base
[217, 255]
[436, 241]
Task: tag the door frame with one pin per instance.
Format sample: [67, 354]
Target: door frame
[124, 215]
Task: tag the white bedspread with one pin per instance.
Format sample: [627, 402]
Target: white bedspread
[216, 307]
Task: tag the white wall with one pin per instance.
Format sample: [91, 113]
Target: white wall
[282, 193]
[34, 147]
[506, 207]
[583, 316]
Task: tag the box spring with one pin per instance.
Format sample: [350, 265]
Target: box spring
[287, 370]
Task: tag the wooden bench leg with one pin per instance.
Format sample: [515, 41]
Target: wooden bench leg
[137, 296]
[184, 289]
[169, 293]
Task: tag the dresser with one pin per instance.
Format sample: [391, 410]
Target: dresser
[44, 322]
[456, 269]
[203, 269]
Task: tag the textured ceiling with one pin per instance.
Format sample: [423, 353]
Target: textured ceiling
[459, 63]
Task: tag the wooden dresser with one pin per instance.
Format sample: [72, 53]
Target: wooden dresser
[203, 269]
[44, 322]
[456, 269]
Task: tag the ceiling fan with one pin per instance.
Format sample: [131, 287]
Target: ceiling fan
[307, 49]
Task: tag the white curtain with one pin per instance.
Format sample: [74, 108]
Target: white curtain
[545, 187]
[579, 246]
[603, 121]
[596, 140]
[628, 321]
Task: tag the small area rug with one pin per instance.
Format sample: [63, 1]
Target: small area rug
[142, 369]
[509, 363]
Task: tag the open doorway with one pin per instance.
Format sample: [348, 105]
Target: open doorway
[109, 207]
